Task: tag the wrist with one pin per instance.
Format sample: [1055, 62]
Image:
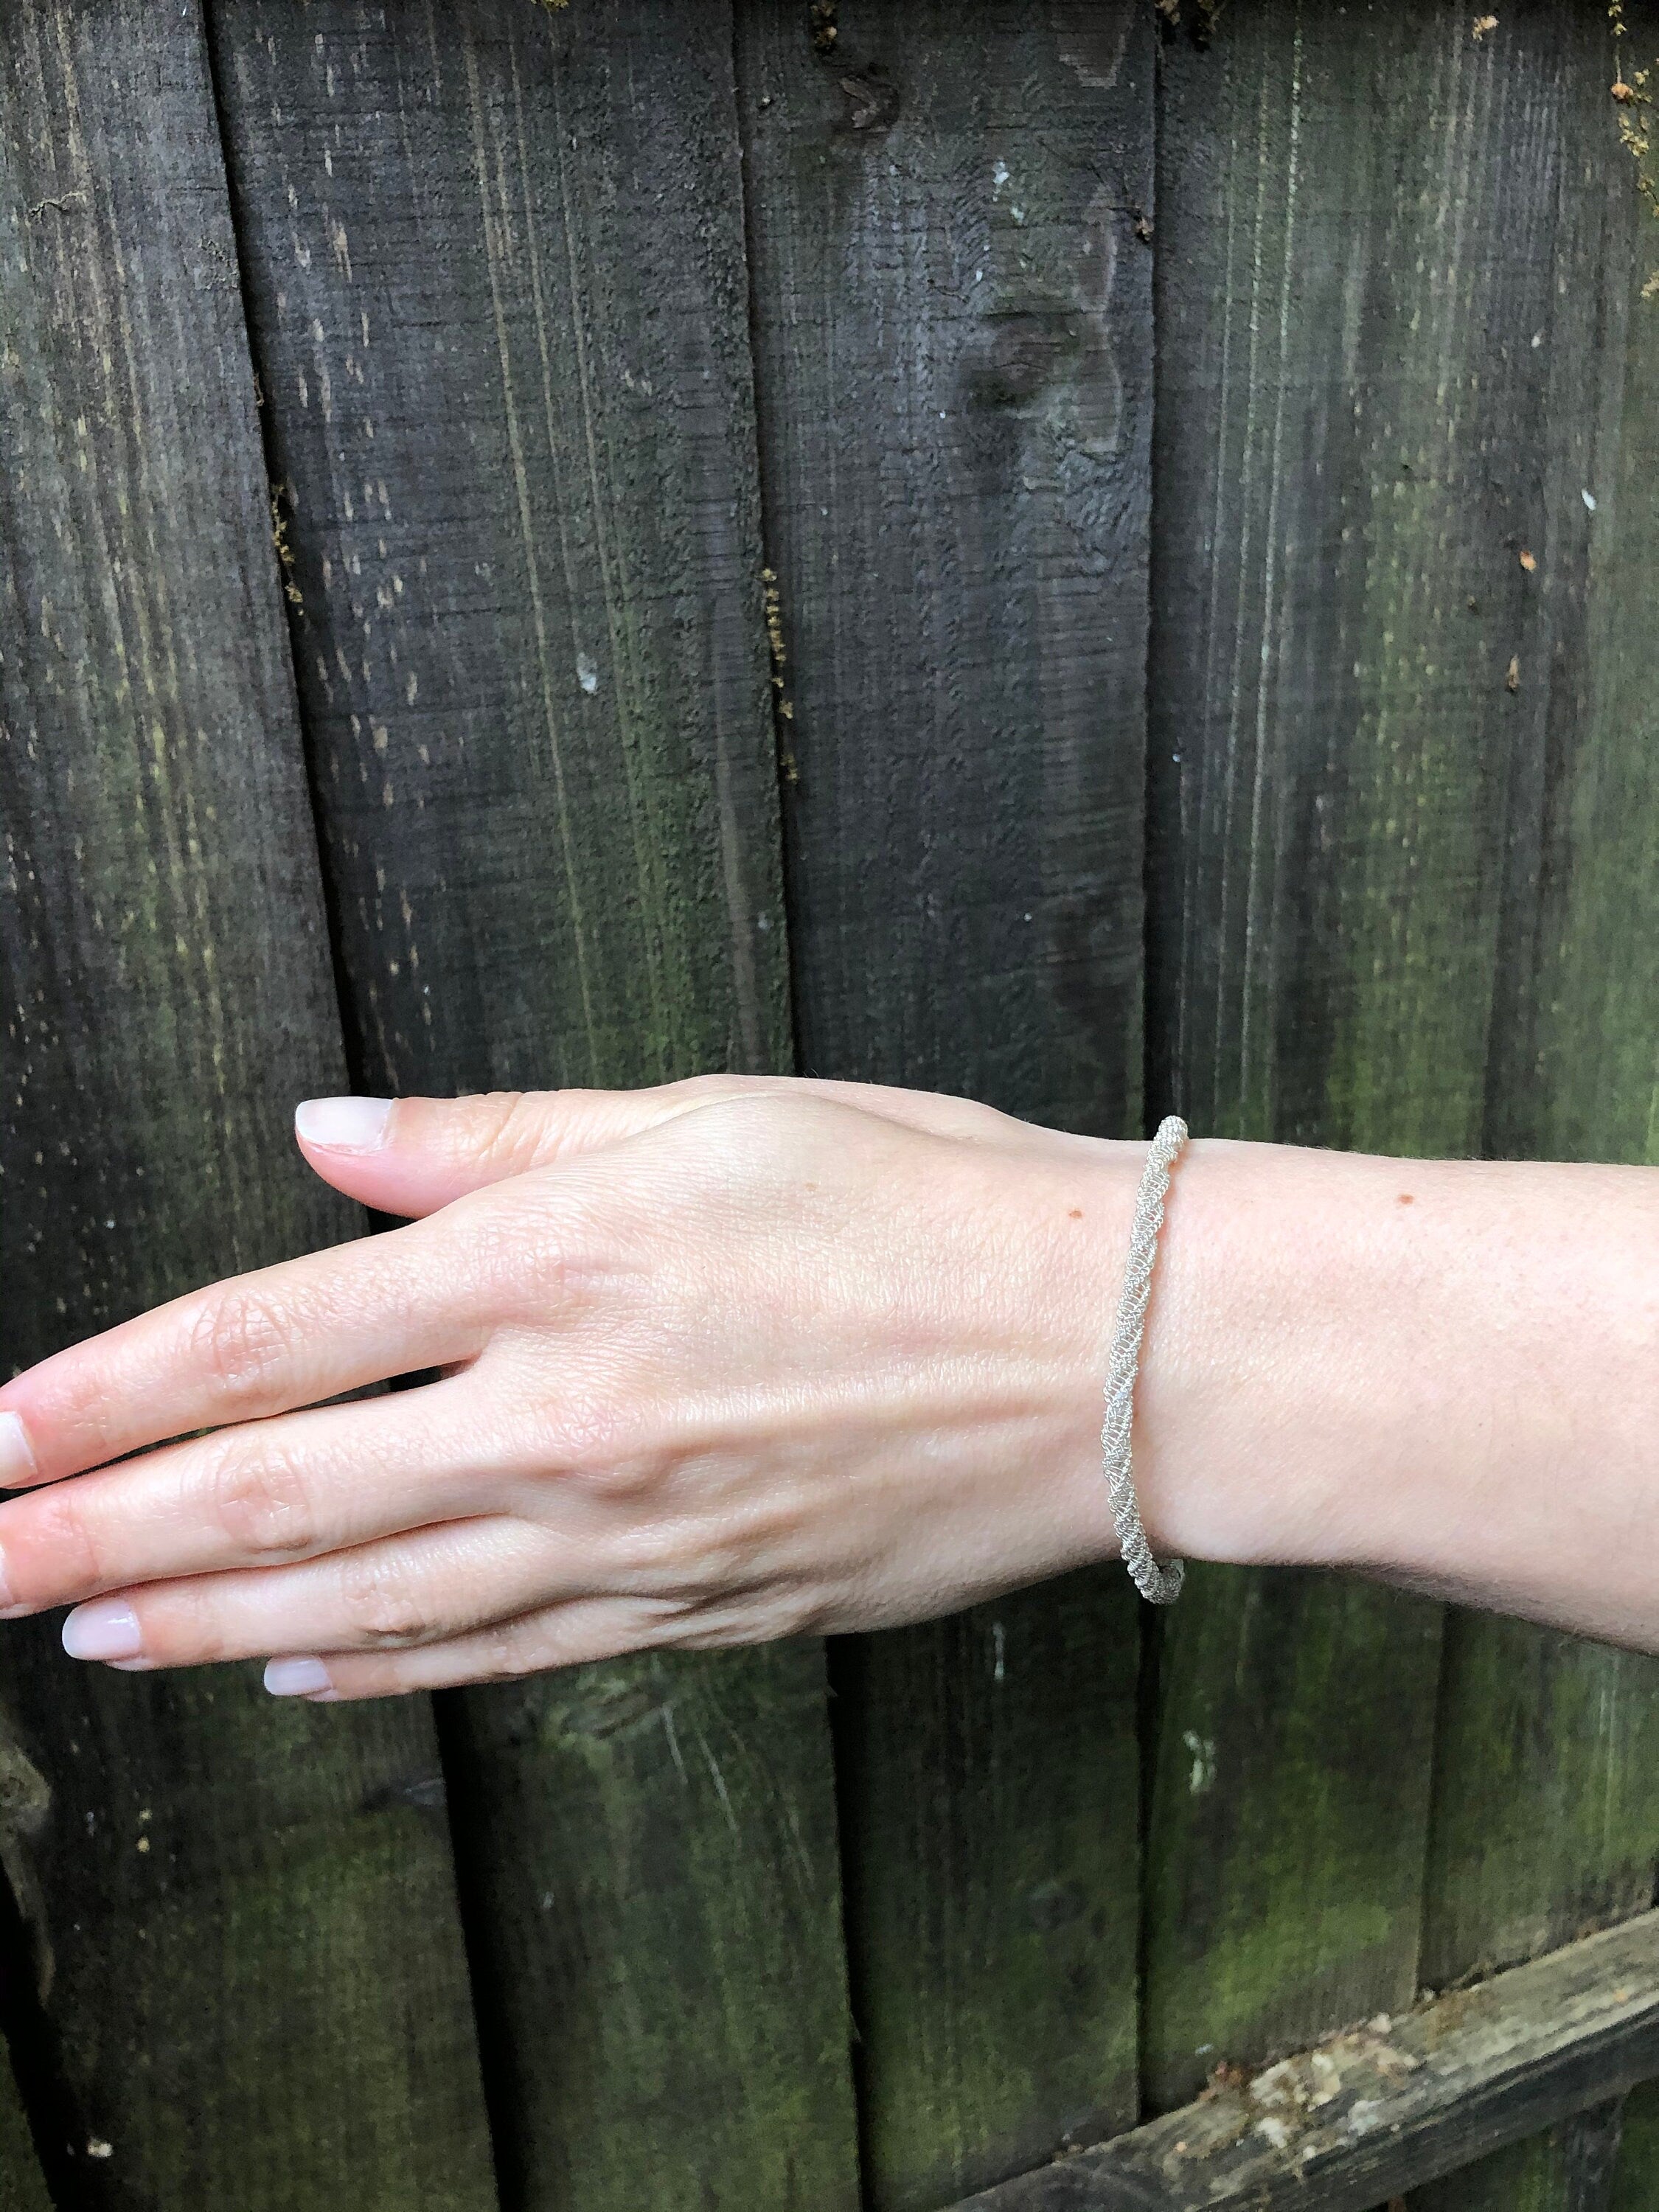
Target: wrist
[1256, 1366]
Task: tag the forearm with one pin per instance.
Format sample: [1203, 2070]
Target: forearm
[744, 1358]
[1446, 1373]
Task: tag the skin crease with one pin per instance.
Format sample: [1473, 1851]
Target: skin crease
[739, 1359]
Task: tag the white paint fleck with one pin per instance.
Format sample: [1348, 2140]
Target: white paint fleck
[999, 174]
[1588, 498]
[587, 675]
[1202, 1748]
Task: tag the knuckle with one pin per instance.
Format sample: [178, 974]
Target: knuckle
[63, 1536]
[381, 1606]
[241, 1339]
[539, 1257]
[597, 1440]
[711, 1087]
[509, 1129]
[261, 1499]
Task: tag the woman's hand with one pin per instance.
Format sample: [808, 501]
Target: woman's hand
[724, 1361]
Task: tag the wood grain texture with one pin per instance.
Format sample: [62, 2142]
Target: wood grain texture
[951, 317]
[1402, 2101]
[1359, 217]
[1571, 2167]
[249, 1950]
[25, 1798]
[496, 278]
[1546, 1794]
[1634, 2188]
[23, 2186]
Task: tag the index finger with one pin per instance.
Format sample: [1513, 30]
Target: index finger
[257, 1344]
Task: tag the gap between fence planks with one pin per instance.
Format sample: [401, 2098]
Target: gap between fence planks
[1385, 2107]
[496, 269]
[949, 224]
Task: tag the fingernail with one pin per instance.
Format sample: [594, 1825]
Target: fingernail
[9, 1608]
[296, 1678]
[16, 1460]
[105, 1629]
[345, 1125]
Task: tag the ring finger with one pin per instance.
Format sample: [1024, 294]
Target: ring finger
[322, 1480]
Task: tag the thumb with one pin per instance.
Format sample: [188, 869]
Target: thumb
[410, 1156]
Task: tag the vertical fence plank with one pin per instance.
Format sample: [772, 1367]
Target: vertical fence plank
[251, 1958]
[23, 1800]
[1547, 1791]
[1356, 214]
[497, 281]
[948, 219]
[1571, 2167]
[1635, 2176]
[23, 2186]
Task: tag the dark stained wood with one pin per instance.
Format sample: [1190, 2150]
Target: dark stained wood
[951, 319]
[1633, 2186]
[25, 1798]
[252, 1957]
[23, 2186]
[1359, 214]
[1546, 1799]
[1401, 2101]
[1285, 1851]
[496, 277]
[1547, 1789]
[1571, 2167]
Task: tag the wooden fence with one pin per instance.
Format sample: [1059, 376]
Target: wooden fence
[1097, 555]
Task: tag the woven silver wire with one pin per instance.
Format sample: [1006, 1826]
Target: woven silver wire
[1158, 1582]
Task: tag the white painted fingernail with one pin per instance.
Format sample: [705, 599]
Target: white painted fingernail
[296, 1678]
[16, 1458]
[105, 1629]
[345, 1125]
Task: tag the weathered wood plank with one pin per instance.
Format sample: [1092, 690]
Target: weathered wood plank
[1546, 1802]
[1358, 217]
[24, 1798]
[257, 1982]
[951, 319]
[1571, 2167]
[1634, 2185]
[23, 2186]
[1398, 2103]
[1546, 1795]
[496, 277]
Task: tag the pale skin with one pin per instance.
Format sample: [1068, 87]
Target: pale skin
[741, 1358]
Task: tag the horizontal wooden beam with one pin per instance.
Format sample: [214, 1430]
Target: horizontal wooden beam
[1372, 2114]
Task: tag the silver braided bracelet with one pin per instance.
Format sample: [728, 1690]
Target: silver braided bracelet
[1158, 1583]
